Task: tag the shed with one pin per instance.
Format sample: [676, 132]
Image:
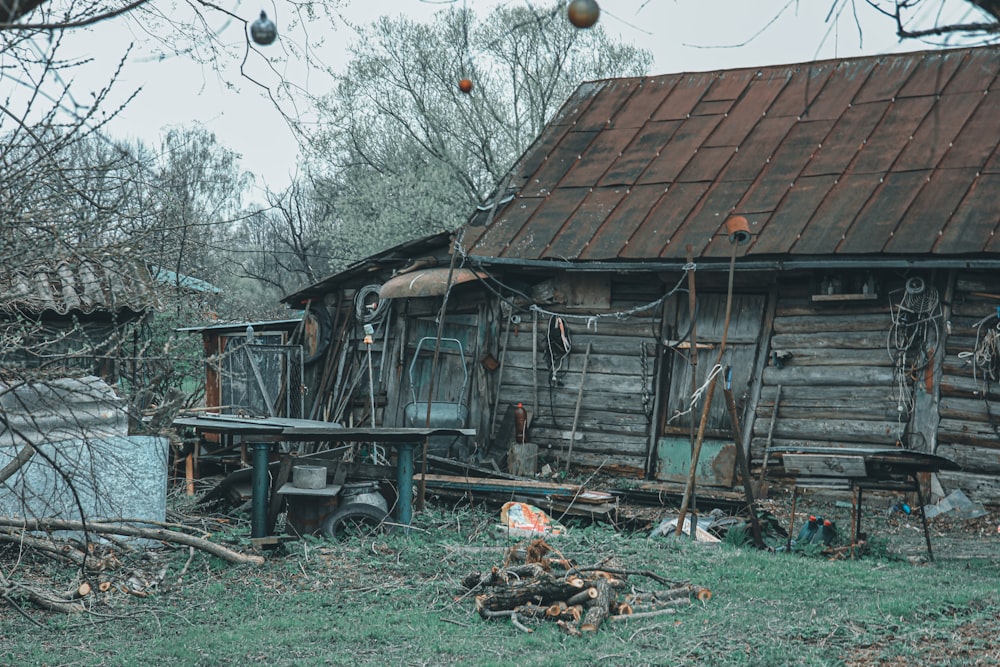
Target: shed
[867, 299]
[75, 314]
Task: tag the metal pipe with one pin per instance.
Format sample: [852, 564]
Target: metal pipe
[404, 482]
[259, 489]
[712, 264]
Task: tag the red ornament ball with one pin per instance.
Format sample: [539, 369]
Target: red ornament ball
[465, 85]
[583, 13]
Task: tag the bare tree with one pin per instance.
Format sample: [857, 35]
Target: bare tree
[403, 151]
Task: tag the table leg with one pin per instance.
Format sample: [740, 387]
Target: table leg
[923, 518]
[791, 519]
[404, 482]
[259, 489]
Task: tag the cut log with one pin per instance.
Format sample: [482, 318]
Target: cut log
[545, 589]
[583, 597]
[599, 608]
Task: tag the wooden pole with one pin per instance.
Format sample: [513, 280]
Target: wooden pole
[689, 487]
[741, 460]
[579, 400]
[693, 340]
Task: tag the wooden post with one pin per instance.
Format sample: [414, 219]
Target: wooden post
[693, 339]
[741, 460]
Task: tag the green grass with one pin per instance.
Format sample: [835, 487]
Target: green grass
[398, 601]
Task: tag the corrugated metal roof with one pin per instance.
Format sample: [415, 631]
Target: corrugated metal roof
[891, 155]
[79, 285]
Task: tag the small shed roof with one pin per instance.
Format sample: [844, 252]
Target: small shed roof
[885, 156]
[85, 285]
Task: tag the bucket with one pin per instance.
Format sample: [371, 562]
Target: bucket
[309, 477]
[364, 492]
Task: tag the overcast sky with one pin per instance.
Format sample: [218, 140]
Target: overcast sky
[683, 35]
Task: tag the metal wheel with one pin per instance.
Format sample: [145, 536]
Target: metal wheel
[356, 520]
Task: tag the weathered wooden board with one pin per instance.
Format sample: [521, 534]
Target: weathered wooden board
[852, 340]
[983, 488]
[880, 432]
[835, 357]
[825, 322]
[791, 376]
[824, 465]
[980, 459]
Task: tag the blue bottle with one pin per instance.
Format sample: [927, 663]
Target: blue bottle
[827, 533]
[809, 530]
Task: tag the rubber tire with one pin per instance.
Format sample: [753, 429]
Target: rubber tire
[324, 334]
[333, 526]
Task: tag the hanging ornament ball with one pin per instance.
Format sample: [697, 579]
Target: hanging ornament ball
[583, 13]
[465, 85]
[263, 31]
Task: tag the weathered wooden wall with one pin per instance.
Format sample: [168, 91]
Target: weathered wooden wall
[837, 385]
[970, 401]
[617, 397]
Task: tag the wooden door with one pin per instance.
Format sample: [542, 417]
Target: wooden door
[716, 464]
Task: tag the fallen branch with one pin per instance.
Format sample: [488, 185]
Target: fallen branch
[157, 534]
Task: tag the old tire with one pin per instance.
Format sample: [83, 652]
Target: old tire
[355, 520]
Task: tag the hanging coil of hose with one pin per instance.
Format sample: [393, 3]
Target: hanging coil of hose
[368, 306]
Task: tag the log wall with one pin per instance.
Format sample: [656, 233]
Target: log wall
[969, 398]
[837, 385]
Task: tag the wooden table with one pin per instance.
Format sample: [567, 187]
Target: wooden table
[261, 434]
[856, 468]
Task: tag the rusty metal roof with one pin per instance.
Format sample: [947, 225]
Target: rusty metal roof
[891, 155]
[108, 284]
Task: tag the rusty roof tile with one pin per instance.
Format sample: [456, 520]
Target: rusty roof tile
[968, 221]
[845, 140]
[663, 220]
[598, 156]
[644, 102]
[933, 205]
[875, 226]
[937, 131]
[637, 156]
[679, 150]
[890, 137]
[585, 222]
[779, 232]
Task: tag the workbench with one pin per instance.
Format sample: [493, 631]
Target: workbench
[262, 434]
[856, 469]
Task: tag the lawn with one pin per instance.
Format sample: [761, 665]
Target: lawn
[398, 600]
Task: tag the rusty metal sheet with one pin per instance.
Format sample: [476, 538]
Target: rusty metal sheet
[782, 168]
[707, 164]
[935, 135]
[968, 149]
[977, 72]
[682, 147]
[546, 223]
[877, 222]
[712, 107]
[684, 96]
[595, 161]
[644, 102]
[937, 200]
[839, 90]
[662, 222]
[804, 85]
[638, 205]
[780, 230]
[706, 219]
[611, 96]
[887, 79]
[758, 96]
[645, 146]
[969, 222]
[558, 163]
[757, 149]
[581, 227]
[892, 135]
[729, 85]
[831, 220]
[932, 72]
[494, 241]
[426, 282]
[846, 139]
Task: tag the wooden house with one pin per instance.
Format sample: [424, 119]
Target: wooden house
[866, 294]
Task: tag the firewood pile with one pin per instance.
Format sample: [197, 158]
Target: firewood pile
[537, 583]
